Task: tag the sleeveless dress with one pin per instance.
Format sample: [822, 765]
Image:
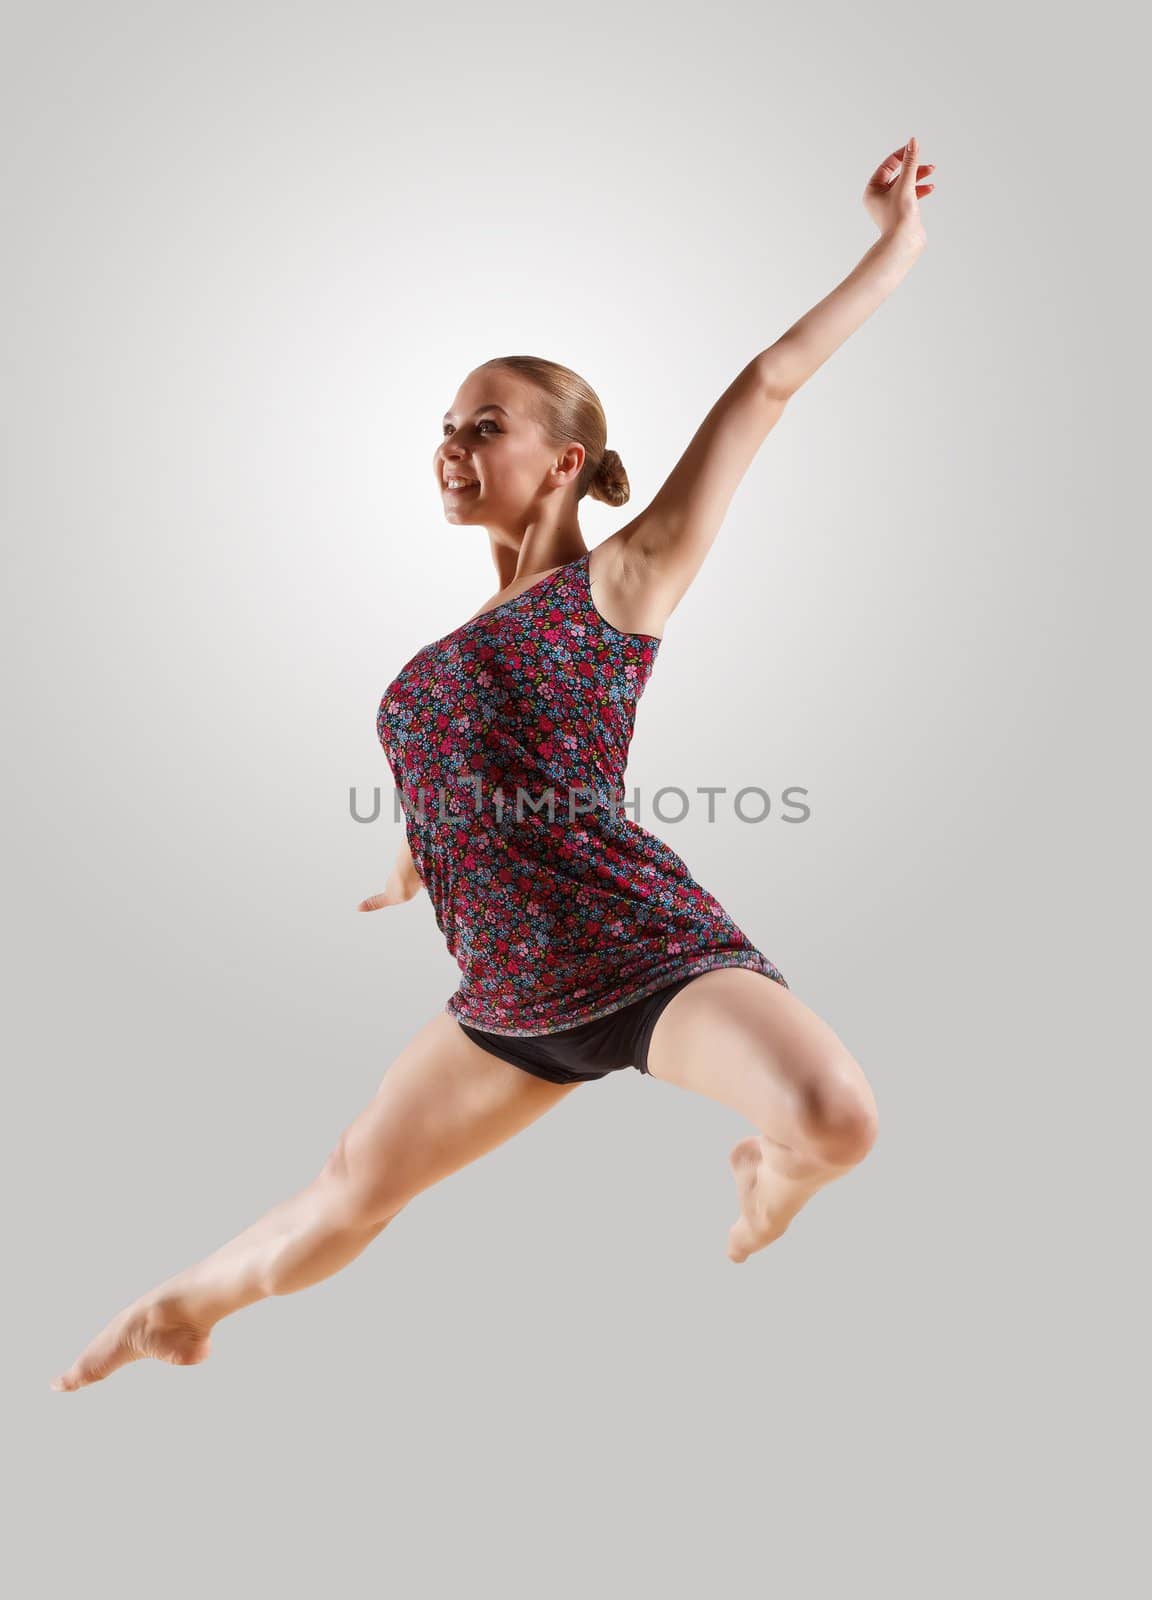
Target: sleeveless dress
[508, 740]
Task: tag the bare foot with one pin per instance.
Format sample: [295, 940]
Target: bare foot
[755, 1227]
[160, 1328]
[773, 1182]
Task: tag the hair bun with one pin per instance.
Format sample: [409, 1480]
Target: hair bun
[611, 481]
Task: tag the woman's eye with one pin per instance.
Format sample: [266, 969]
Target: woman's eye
[483, 421]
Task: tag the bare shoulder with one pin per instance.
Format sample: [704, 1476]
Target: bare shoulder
[627, 590]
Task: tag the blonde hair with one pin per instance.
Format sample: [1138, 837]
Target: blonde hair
[568, 410]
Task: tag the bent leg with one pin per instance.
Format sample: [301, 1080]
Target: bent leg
[442, 1103]
[744, 1040]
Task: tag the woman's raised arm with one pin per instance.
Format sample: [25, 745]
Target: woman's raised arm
[663, 548]
[892, 199]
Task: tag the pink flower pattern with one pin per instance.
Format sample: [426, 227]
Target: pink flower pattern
[552, 921]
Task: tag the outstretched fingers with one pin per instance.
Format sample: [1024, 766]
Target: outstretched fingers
[899, 166]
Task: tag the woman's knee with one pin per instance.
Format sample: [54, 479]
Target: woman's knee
[355, 1198]
[838, 1113]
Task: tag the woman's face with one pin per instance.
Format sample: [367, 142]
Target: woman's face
[490, 437]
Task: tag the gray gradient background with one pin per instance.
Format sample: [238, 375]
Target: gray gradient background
[251, 252]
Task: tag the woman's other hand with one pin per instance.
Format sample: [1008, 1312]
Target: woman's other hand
[894, 191]
[404, 883]
[394, 893]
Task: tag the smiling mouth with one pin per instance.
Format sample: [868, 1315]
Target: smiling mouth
[467, 489]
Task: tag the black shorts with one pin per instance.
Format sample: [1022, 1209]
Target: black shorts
[590, 1050]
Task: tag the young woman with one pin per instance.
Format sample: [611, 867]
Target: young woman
[584, 942]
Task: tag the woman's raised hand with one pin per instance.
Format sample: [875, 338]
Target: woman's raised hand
[894, 191]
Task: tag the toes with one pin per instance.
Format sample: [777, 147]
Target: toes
[740, 1243]
[744, 1239]
[104, 1355]
[75, 1378]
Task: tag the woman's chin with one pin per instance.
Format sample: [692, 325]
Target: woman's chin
[462, 510]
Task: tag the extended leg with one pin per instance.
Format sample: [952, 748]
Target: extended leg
[740, 1038]
[442, 1103]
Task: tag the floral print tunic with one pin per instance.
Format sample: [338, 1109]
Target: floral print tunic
[508, 739]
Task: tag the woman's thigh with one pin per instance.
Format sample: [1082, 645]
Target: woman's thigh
[442, 1102]
[740, 1037]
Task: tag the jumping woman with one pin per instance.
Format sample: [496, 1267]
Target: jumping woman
[585, 944]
